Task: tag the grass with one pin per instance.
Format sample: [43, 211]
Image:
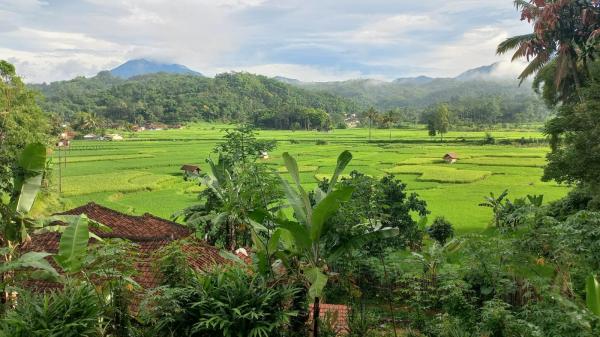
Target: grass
[141, 174]
[441, 174]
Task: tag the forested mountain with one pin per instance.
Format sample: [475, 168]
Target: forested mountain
[173, 98]
[473, 97]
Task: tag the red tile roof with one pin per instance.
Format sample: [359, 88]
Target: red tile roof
[148, 232]
[135, 228]
[338, 314]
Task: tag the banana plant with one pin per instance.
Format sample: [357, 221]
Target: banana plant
[27, 182]
[74, 239]
[495, 203]
[15, 221]
[435, 256]
[308, 231]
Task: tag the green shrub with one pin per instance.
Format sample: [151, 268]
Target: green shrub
[72, 312]
[361, 323]
[225, 302]
[441, 230]
[294, 141]
[498, 320]
[321, 142]
[489, 139]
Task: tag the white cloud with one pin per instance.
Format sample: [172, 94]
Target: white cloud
[476, 47]
[393, 29]
[53, 66]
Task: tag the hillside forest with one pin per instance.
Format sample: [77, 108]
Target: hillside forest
[272, 104]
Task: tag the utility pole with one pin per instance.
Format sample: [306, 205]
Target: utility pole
[60, 144]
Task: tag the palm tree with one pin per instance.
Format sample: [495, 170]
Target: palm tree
[389, 119]
[372, 115]
[309, 231]
[564, 36]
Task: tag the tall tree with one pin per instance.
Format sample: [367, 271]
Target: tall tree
[565, 35]
[389, 119]
[562, 51]
[21, 122]
[442, 120]
[372, 116]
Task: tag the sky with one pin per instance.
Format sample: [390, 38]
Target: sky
[309, 40]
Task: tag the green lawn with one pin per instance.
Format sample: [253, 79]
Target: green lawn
[141, 174]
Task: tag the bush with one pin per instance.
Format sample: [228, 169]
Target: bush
[72, 312]
[489, 139]
[441, 230]
[225, 302]
[321, 142]
[294, 141]
[361, 323]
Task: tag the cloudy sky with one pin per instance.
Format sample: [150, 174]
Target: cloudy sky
[311, 40]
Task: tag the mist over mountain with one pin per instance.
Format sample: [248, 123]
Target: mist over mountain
[423, 91]
[139, 67]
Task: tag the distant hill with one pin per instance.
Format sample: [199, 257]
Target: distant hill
[480, 73]
[423, 91]
[176, 98]
[139, 67]
[475, 97]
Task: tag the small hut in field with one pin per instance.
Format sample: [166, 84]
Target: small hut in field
[263, 155]
[450, 158]
[190, 170]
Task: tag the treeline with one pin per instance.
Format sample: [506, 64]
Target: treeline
[270, 103]
[171, 99]
[471, 102]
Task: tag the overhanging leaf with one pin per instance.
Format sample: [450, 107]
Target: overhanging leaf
[326, 208]
[33, 158]
[34, 260]
[299, 233]
[360, 240]
[317, 281]
[343, 159]
[592, 294]
[72, 248]
[29, 191]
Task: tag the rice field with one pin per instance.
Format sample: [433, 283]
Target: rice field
[141, 174]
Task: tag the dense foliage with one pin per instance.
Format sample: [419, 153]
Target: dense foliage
[21, 121]
[171, 99]
[470, 101]
[228, 302]
[71, 312]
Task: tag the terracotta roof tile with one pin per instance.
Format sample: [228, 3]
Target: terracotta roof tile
[131, 227]
[148, 232]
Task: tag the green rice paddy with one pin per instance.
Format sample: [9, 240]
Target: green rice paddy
[141, 174]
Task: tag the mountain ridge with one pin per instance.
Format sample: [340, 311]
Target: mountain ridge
[142, 66]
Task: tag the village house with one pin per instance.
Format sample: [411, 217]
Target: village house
[149, 234]
[450, 158]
